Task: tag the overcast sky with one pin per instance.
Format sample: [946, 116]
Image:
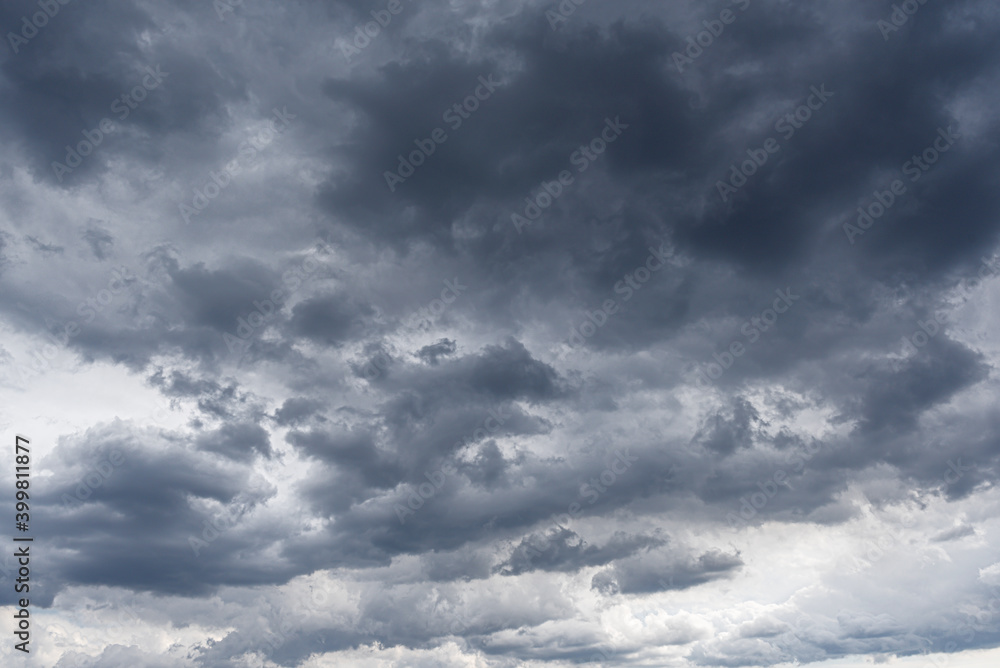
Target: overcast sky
[496, 333]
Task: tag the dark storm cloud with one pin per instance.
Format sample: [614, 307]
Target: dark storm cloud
[430, 413]
[486, 448]
[353, 452]
[218, 298]
[771, 225]
[888, 118]
[87, 65]
[887, 112]
[157, 305]
[433, 352]
[489, 468]
[330, 319]
[485, 499]
[954, 534]
[213, 399]
[508, 371]
[896, 401]
[530, 124]
[295, 410]
[126, 504]
[184, 385]
[101, 242]
[44, 248]
[501, 372]
[724, 434]
[659, 572]
[567, 551]
[240, 442]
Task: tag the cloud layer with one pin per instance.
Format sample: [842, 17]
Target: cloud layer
[503, 333]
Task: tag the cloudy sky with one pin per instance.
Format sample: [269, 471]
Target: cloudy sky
[502, 332]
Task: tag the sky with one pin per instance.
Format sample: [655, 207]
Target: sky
[496, 333]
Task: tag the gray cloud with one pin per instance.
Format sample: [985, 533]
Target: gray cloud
[595, 437]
